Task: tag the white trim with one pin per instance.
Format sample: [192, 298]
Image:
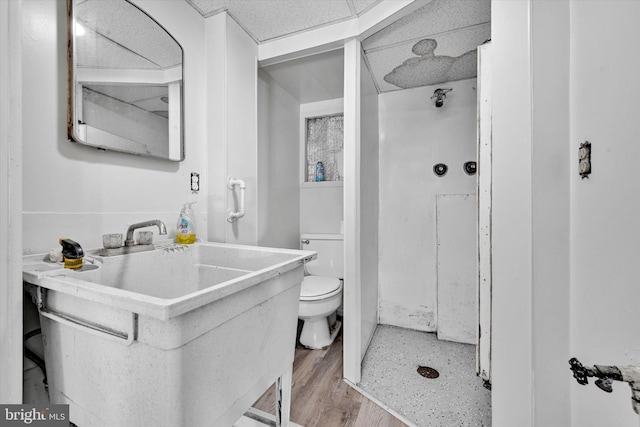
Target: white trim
[382, 404]
[512, 328]
[386, 13]
[132, 76]
[322, 184]
[352, 288]
[216, 127]
[10, 202]
[483, 349]
[257, 418]
[322, 108]
[333, 36]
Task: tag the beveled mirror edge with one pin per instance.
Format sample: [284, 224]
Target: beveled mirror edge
[71, 80]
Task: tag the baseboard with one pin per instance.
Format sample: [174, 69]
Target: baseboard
[381, 404]
[257, 418]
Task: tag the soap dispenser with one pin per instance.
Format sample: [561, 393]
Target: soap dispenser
[186, 227]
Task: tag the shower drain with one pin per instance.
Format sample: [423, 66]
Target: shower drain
[428, 372]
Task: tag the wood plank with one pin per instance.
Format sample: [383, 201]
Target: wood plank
[321, 398]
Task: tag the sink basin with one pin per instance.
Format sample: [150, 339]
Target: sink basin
[176, 335]
[167, 281]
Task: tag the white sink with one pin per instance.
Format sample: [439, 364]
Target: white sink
[179, 335]
[167, 281]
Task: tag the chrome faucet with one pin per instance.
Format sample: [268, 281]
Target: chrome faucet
[129, 240]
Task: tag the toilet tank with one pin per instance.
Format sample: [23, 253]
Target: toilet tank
[330, 249]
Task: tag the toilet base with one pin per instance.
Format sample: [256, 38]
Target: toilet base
[316, 335]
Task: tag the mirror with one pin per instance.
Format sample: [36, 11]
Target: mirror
[125, 81]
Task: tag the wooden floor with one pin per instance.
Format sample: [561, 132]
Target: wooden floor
[321, 398]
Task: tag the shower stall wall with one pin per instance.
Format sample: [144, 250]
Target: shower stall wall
[415, 136]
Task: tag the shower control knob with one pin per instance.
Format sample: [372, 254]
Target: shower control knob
[440, 169]
[470, 168]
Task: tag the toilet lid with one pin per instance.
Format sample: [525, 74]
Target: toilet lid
[314, 287]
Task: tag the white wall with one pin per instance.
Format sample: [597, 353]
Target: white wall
[531, 213]
[278, 169]
[10, 204]
[216, 126]
[232, 129]
[321, 208]
[321, 204]
[552, 152]
[288, 206]
[544, 314]
[512, 366]
[79, 192]
[414, 135]
[369, 199]
[242, 134]
[605, 224]
[352, 291]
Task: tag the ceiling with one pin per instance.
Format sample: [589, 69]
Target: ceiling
[434, 44]
[266, 20]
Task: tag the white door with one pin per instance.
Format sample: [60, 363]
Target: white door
[483, 350]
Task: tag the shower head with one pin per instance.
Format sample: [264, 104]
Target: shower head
[440, 94]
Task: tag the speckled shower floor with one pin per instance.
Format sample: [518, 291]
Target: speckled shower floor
[456, 398]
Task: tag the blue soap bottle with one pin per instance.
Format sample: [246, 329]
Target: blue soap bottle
[319, 172]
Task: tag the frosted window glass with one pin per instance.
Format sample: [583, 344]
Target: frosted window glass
[325, 136]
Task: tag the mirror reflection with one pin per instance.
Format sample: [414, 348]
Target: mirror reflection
[126, 74]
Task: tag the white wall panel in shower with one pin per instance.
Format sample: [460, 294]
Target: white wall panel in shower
[456, 219]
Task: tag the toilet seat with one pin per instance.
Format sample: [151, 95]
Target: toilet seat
[319, 287]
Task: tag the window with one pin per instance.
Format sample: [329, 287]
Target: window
[324, 143]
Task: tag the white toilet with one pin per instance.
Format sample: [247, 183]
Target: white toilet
[321, 292]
